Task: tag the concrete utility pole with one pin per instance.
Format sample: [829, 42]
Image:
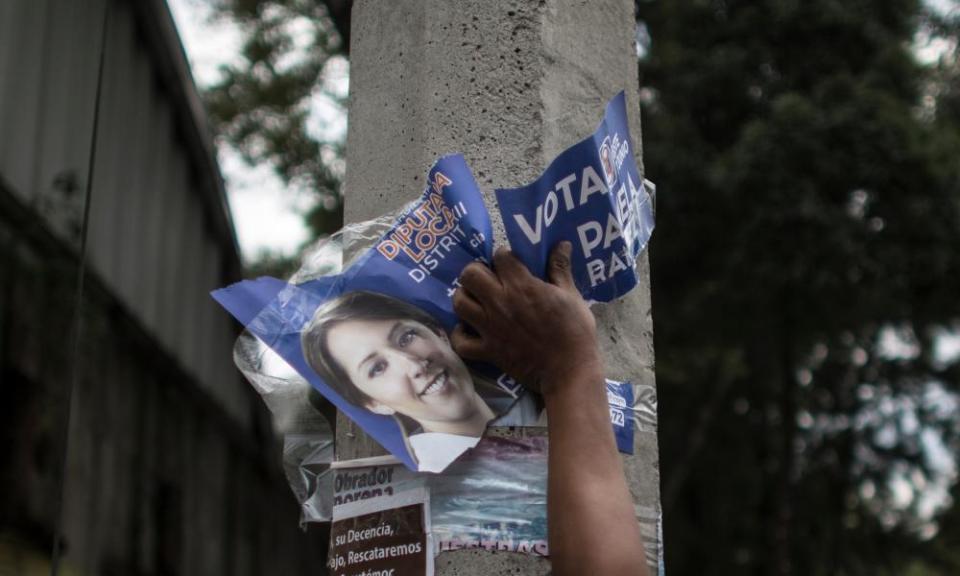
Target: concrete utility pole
[509, 85]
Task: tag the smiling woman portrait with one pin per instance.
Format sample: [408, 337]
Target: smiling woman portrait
[392, 358]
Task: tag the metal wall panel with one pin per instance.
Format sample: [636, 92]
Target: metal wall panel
[49, 153]
[139, 428]
[65, 113]
[83, 458]
[80, 86]
[105, 202]
[139, 154]
[174, 245]
[190, 276]
[21, 93]
[8, 21]
[154, 179]
[188, 433]
[210, 515]
[122, 146]
[156, 191]
[152, 238]
[209, 346]
[148, 470]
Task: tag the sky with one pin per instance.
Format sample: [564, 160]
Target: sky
[267, 214]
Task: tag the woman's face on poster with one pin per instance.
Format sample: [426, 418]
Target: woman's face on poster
[404, 367]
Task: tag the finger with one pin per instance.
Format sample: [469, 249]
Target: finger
[480, 282]
[509, 268]
[559, 270]
[469, 310]
[468, 346]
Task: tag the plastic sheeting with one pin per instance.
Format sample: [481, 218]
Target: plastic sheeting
[308, 449]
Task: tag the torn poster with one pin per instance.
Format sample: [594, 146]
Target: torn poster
[593, 196]
[374, 338]
[389, 536]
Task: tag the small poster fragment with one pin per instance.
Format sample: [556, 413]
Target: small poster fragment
[593, 196]
[620, 400]
[382, 537]
[494, 498]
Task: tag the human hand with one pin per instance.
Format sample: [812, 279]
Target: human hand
[537, 332]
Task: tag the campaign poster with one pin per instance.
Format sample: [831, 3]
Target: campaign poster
[374, 339]
[593, 196]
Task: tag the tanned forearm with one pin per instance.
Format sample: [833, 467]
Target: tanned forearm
[543, 334]
[592, 526]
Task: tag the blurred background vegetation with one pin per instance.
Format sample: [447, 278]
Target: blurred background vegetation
[805, 269]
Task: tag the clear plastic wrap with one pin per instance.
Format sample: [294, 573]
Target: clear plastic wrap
[297, 409]
[494, 497]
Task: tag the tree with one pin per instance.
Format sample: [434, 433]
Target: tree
[806, 259]
[262, 104]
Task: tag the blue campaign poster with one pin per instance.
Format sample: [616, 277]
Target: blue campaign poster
[593, 196]
[373, 339]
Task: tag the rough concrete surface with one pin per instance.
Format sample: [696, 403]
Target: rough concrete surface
[509, 84]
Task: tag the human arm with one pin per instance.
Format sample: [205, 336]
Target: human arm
[544, 335]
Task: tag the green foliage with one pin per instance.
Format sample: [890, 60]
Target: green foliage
[809, 222]
[261, 105]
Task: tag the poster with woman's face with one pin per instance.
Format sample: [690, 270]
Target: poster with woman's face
[374, 338]
[392, 359]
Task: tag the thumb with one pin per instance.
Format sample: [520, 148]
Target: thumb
[559, 268]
